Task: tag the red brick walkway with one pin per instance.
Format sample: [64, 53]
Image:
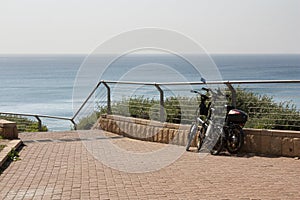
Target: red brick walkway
[58, 166]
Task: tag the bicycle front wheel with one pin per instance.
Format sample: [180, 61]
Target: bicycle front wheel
[191, 135]
[219, 141]
[201, 137]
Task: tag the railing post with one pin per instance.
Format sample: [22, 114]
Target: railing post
[39, 123]
[161, 102]
[233, 94]
[108, 98]
[74, 124]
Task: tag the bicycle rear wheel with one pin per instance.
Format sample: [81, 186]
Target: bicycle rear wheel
[235, 139]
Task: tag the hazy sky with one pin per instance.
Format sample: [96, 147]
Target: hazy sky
[221, 26]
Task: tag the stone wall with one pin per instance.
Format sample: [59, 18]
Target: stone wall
[8, 129]
[145, 129]
[270, 142]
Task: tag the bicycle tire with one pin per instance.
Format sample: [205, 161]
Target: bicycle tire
[219, 145]
[234, 145]
[201, 138]
[191, 135]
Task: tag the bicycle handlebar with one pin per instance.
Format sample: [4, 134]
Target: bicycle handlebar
[213, 93]
[206, 89]
[197, 92]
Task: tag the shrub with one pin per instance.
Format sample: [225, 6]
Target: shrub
[262, 110]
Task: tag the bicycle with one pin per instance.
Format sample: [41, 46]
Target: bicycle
[214, 131]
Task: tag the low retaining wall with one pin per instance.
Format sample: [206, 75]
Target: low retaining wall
[272, 142]
[8, 129]
[260, 141]
[147, 130]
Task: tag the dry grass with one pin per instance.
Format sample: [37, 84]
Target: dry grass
[3, 143]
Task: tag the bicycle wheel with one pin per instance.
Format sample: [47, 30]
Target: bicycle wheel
[201, 137]
[191, 135]
[235, 139]
[219, 145]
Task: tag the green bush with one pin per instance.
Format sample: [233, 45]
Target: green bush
[262, 110]
[2, 146]
[265, 113]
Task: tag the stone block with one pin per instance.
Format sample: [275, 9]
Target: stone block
[171, 136]
[155, 134]
[247, 144]
[160, 135]
[179, 137]
[152, 133]
[255, 143]
[176, 137]
[143, 133]
[126, 128]
[183, 137]
[276, 146]
[101, 124]
[287, 146]
[115, 127]
[137, 131]
[105, 124]
[130, 129]
[121, 125]
[266, 144]
[110, 125]
[148, 133]
[134, 132]
[8, 129]
[166, 135]
[296, 147]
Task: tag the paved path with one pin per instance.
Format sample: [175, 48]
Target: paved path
[59, 166]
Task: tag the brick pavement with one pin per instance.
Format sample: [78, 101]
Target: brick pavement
[59, 166]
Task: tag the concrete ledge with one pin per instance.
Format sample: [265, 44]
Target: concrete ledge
[13, 144]
[8, 129]
[142, 129]
[259, 141]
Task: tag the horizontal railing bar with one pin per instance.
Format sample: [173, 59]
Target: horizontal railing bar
[36, 115]
[202, 83]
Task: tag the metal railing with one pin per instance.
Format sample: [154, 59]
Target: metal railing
[36, 116]
[110, 94]
[106, 93]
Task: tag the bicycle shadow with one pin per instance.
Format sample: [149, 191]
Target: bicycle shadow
[238, 155]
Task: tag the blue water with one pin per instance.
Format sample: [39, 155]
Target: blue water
[43, 84]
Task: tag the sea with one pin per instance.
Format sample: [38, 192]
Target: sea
[44, 84]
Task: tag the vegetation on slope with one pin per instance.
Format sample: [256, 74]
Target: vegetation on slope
[262, 110]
